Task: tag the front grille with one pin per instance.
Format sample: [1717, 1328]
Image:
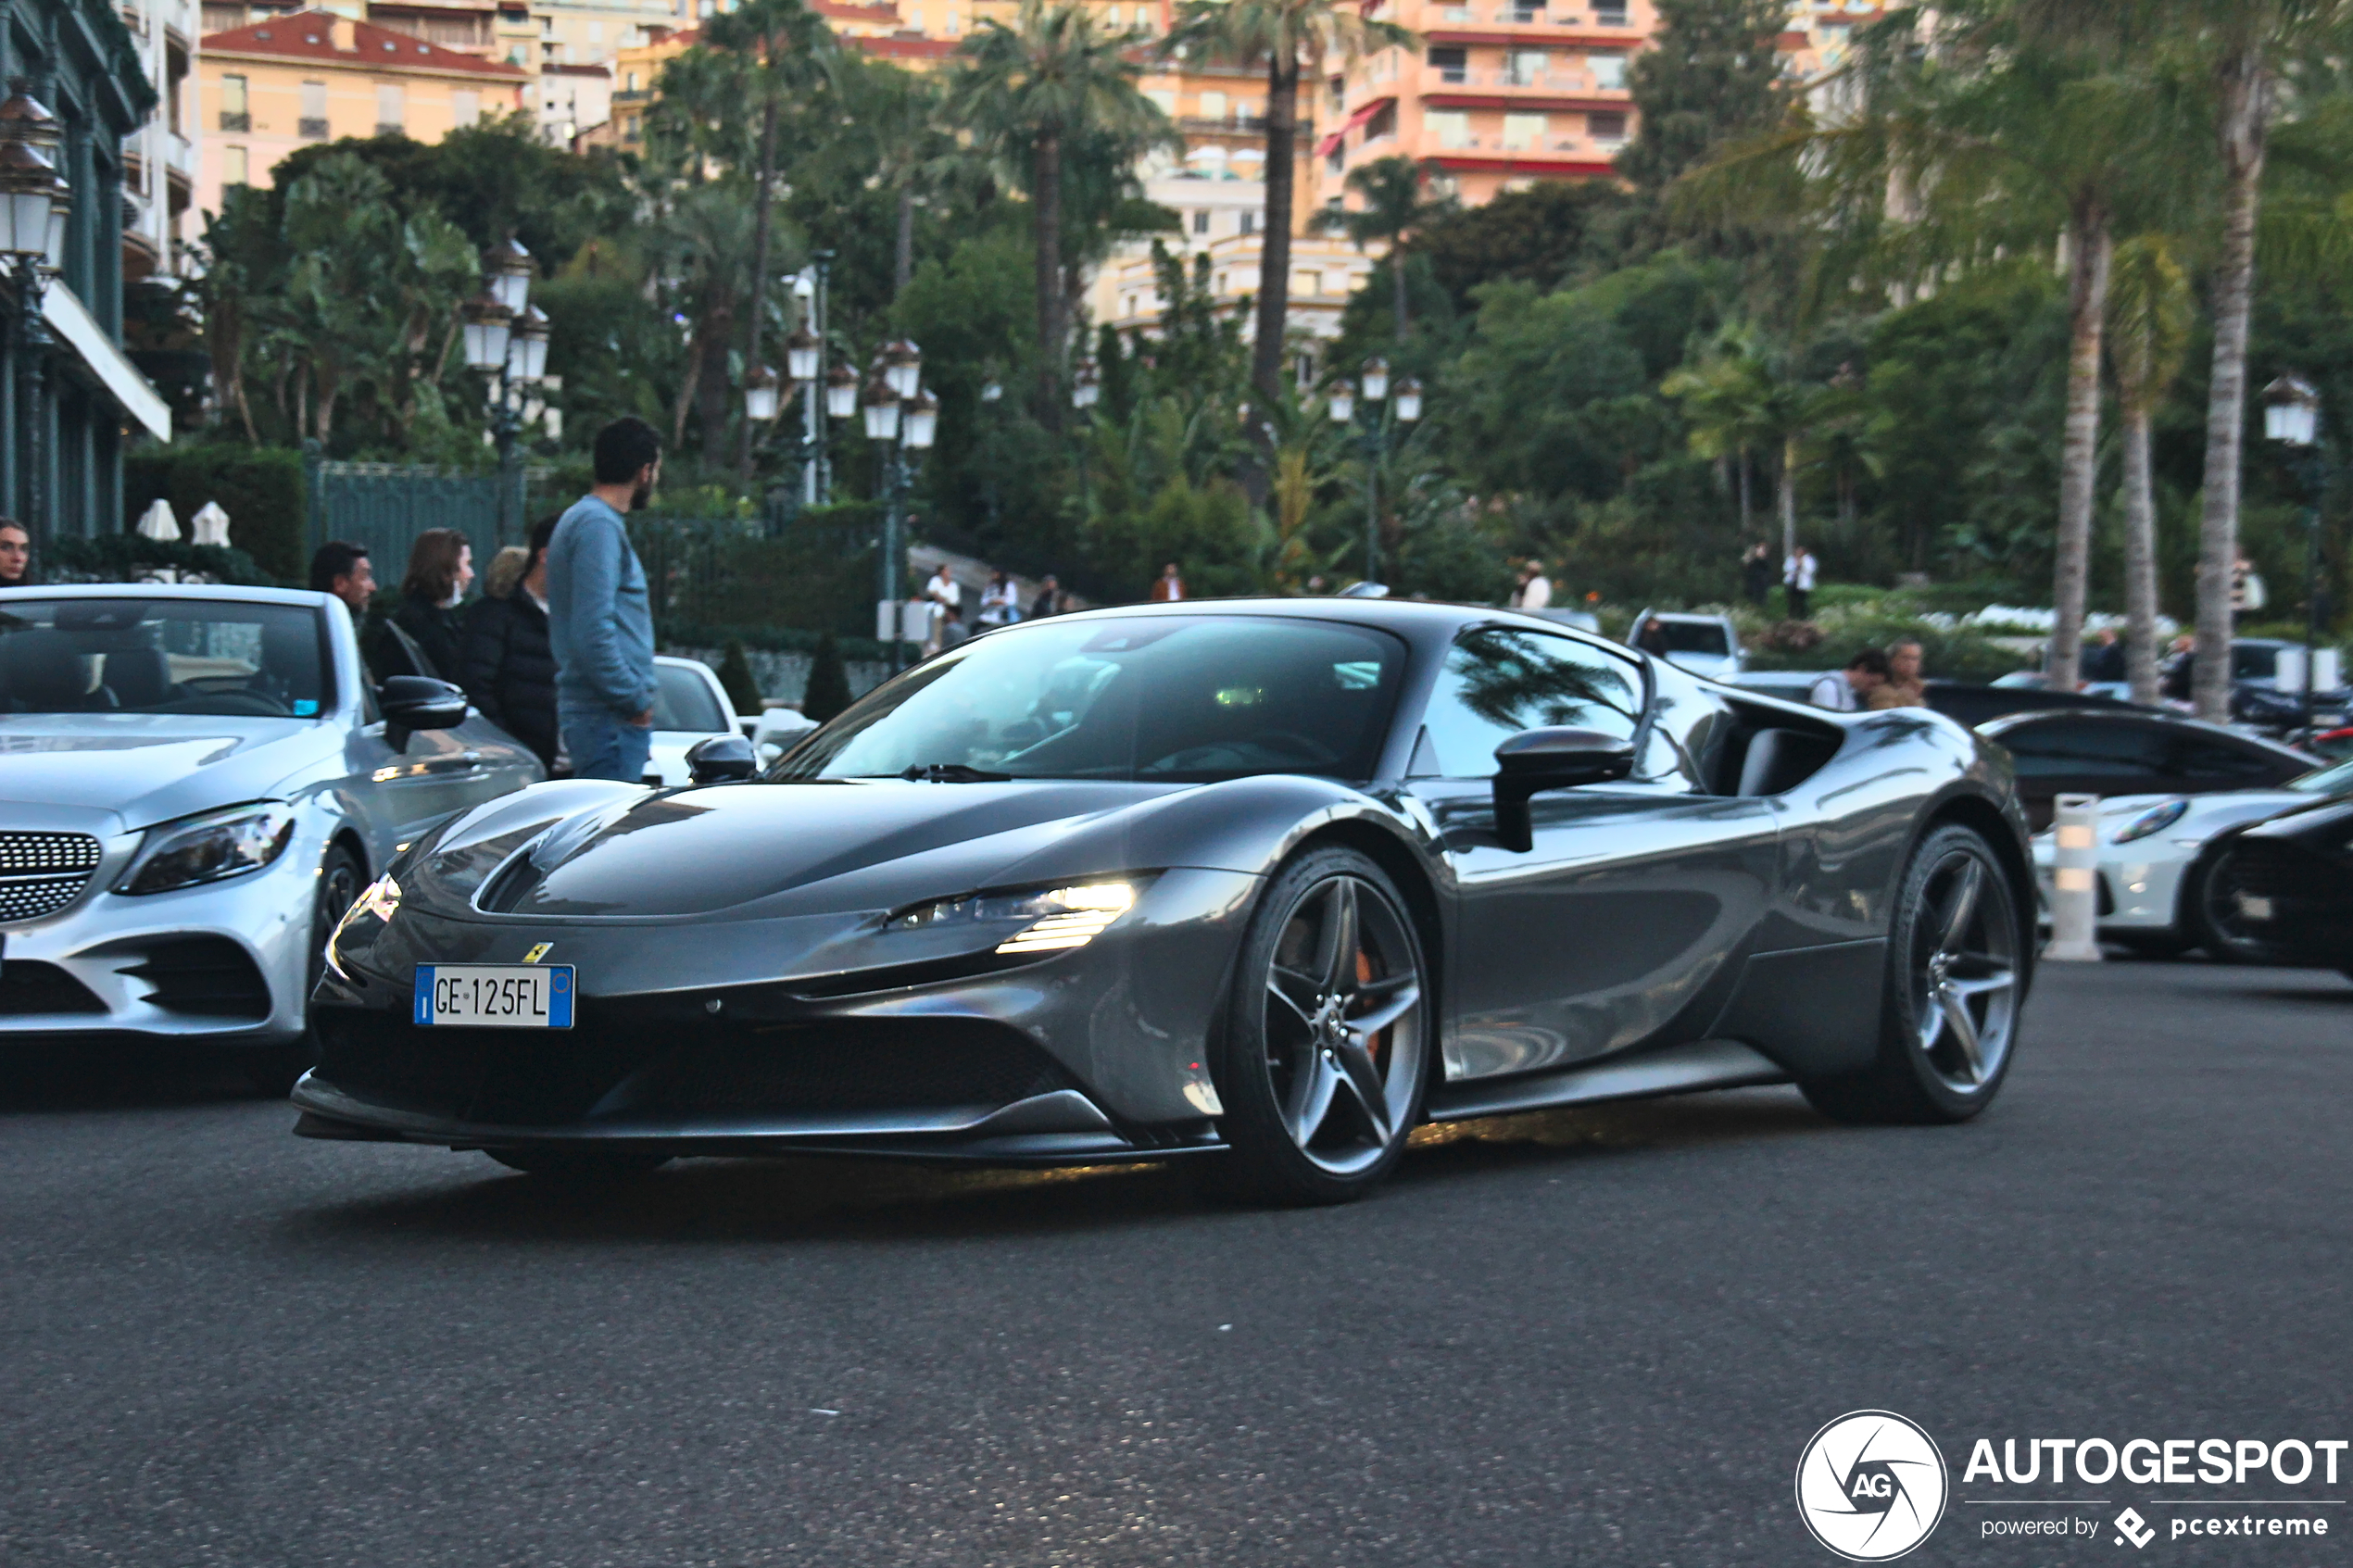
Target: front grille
[204, 976]
[28, 986]
[532, 1078]
[915, 1064]
[41, 872]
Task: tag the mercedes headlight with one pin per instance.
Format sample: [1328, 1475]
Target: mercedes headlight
[2148, 822]
[212, 848]
[1050, 919]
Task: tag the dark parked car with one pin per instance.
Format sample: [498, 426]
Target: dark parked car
[1260, 884]
[2282, 890]
[1964, 702]
[2132, 751]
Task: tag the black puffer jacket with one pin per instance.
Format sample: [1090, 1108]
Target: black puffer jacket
[510, 671]
[440, 632]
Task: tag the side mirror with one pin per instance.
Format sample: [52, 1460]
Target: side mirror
[418, 702]
[722, 760]
[1535, 760]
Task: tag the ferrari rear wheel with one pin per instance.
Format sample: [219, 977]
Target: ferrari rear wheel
[1954, 966]
[578, 1165]
[1327, 1041]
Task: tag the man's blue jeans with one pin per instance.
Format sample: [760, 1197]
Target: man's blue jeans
[605, 745]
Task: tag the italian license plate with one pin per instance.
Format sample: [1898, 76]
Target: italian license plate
[495, 996]
[2254, 906]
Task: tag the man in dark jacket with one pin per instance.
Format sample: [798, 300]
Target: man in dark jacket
[510, 671]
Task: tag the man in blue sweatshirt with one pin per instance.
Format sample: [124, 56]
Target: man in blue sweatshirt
[600, 624]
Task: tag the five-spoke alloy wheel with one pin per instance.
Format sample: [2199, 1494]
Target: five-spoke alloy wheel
[1326, 1043]
[1955, 979]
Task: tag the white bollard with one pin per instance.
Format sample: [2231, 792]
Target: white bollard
[2075, 880]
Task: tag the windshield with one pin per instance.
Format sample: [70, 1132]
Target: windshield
[2338, 780]
[683, 701]
[1689, 636]
[161, 656]
[1163, 697]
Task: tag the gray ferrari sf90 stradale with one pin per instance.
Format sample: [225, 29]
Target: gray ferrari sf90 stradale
[1261, 884]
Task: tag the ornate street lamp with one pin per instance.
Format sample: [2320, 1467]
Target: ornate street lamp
[1409, 400]
[1340, 402]
[507, 270]
[1376, 375]
[527, 346]
[488, 324]
[2292, 418]
[34, 199]
[760, 394]
[31, 196]
[841, 392]
[1085, 389]
[879, 403]
[922, 421]
[902, 367]
[801, 353]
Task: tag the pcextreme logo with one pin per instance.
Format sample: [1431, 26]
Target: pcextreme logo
[1871, 1486]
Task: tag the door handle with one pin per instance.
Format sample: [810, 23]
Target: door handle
[465, 761]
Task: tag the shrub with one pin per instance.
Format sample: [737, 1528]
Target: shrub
[827, 692]
[119, 558]
[735, 673]
[259, 487]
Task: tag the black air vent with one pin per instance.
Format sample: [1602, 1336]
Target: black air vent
[27, 985]
[205, 976]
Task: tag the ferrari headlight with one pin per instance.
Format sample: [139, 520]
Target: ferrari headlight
[380, 900]
[2155, 821]
[209, 848]
[1050, 919]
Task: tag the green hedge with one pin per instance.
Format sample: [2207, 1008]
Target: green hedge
[118, 557]
[770, 639]
[259, 487]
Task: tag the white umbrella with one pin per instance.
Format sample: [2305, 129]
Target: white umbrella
[211, 524]
[157, 521]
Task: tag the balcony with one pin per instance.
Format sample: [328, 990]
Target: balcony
[311, 128]
[1227, 125]
[238, 121]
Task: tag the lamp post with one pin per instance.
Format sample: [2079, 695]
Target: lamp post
[898, 422]
[34, 199]
[805, 365]
[1382, 415]
[2292, 418]
[505, 337]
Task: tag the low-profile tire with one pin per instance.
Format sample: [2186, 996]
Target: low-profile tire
[1949, 1011]
[2210, 910]
[1326, 1040]
[578, 1165]
[273, 1070]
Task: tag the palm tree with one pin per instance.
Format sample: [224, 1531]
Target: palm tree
[789, 52]
[1028, 91]
[2152, 313]
[1394, 207]
[1284, 36]
[1745, 397]
[2250, 44]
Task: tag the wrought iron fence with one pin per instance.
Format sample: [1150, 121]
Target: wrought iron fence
[385, 506]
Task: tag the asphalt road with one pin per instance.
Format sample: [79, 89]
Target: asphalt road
[1569, 1339]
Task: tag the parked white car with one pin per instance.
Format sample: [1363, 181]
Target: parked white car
[690, 706]
[1707, 645]
[2152, 865]
[198, 782]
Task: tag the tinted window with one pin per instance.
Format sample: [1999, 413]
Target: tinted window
[2100, 750]
[2205, 760]
[1692, 637]
[683, 701]
[1498, 682]
[1182, 698]
[161, 656]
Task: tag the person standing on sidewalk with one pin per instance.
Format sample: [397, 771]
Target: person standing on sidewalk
[510, 673]
[1798, 576]
[601, 623]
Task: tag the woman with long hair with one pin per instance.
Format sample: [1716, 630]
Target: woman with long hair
[441, 564]
[510, 674]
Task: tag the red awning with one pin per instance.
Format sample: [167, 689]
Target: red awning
[1324, 147]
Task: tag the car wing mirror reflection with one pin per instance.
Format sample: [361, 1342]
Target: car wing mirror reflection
[418, 702]
[1535, 760]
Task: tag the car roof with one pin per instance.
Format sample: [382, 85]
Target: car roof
[215, 592]
[2009, 722]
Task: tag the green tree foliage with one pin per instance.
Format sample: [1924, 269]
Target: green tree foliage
[1712, 76]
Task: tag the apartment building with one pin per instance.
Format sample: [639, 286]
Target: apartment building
[159, 156]
[274, 85]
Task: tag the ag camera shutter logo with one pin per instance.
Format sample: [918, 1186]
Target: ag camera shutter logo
[1871, 1486]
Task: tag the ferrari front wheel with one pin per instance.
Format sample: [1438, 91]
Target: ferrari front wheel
[1949, 1013]
[1326, 1043]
